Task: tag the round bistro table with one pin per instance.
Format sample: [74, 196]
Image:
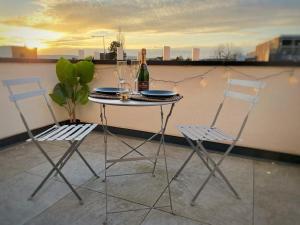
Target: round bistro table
[110, 162]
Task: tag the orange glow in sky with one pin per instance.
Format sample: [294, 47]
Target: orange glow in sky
[65, 24]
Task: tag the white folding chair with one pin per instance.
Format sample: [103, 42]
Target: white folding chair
[74, 134]
[196, 134]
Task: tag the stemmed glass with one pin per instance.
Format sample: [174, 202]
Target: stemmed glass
[134, 68]
[121, 72]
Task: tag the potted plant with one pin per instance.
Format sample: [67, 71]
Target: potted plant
[72, 88]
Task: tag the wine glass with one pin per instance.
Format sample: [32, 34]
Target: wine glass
[134, 68]
[121, 71]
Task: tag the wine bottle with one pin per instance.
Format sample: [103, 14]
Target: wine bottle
[143, 74]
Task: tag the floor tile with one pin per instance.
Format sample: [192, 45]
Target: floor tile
[18, 158]
[277, 194]
[65, 212]
[15, 208]
[75, 169]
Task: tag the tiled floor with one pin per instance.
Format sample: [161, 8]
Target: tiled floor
[270, 191]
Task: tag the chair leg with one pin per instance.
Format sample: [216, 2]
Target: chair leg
[216, 168]
[58, 171]
[86, 163]
[184, 164]
[59, 162]
[156, 156]
[63, 163]
[195, 148]
[81, 156]
[219, 171]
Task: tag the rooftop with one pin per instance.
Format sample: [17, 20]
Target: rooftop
[269, 190]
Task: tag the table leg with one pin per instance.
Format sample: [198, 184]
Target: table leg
[162, 144]
[104, 127]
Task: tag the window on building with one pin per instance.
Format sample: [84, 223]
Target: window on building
[297, 43]
[286, 42]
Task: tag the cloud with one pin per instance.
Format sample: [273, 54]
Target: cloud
[161, 16]
[176, 22]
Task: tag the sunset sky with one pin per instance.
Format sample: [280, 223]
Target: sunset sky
[63, 27]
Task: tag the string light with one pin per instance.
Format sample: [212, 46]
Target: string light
[227, 74]
[184, 79]
[255, 90]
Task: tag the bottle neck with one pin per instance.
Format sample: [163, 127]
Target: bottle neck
[143, 60]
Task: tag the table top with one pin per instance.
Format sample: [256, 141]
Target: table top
[129, 102]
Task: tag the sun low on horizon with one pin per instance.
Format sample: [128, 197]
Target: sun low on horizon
[53, 25]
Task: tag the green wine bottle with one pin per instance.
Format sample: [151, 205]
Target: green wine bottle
[143, 74]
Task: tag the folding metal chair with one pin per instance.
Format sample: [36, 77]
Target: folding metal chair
[74, 134]
[196, 134]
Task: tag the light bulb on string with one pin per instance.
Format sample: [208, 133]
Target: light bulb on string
[255, 90]
[292, 78]
[203, 82]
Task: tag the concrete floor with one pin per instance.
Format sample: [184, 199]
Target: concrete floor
[270, 193]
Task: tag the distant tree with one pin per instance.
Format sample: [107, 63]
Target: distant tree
[159, 58]
[179, 58]
[188, 59]
[113, 49]
[227, 52]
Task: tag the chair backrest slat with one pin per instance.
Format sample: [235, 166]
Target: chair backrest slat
[21, 81]
[241, 96]
[251, 99]
[247, 83]
[15, 97]
[29, 94]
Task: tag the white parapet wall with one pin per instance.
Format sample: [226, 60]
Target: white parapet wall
[273, 125]
[35, 109]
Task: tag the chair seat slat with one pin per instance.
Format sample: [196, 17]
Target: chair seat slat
[199, 132]
[86, 132]
[45, 137]
[70, 132]
[184, 130]
[44, 132]
[215, 135]
[54, 137]
[196, 132]
[78, 132]
[206, 133]
[222, 133]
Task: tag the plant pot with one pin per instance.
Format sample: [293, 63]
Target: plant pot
[68, 122]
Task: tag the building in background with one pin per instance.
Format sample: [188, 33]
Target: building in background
[97, 55]
[80, 54]
[282, 48]
[251, 56]
[69, 57]
[166, 53]
[107, 56]
[18, 52]
[195, 54]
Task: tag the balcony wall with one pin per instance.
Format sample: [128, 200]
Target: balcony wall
[273, 125]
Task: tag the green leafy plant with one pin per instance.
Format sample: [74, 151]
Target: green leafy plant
[72, 88]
